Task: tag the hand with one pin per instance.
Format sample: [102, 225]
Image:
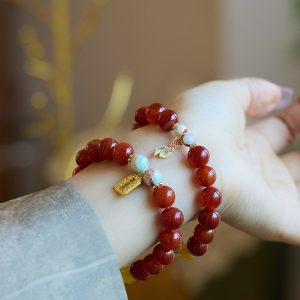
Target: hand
[260, 188]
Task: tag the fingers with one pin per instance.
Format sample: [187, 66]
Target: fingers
[257, 96]
[290, 117]
[292, 162]
[274, 131]
[223, 105]
[280, 131]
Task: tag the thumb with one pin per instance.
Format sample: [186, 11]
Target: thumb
[257, 96]
[222, 105]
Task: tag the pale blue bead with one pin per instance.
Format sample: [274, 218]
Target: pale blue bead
[156, 177]
[179, 129]
[139, 163]
[189, 139]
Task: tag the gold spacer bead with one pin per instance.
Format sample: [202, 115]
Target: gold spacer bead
[127, 277]
[185, 253]
[173, 127]
[157, 185]
[130, 158]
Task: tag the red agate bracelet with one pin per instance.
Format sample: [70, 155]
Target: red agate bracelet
[208, 198]
[164, 196]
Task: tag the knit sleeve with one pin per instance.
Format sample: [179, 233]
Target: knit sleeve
[52, 246]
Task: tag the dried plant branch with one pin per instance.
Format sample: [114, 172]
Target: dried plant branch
[85, 26]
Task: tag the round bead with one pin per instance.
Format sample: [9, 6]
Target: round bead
[205, 176]
[180, 129]
[138, 272]
[151, 265]
[93, 149]
[152, 177]
[170, 239]
[163, 255]
[196, 248]
[153, 111]
[210, 197]
[163, 196]
[82, 158]
[171, 218]
[139, 163]
[106, 148]
[198, 156]
[204, 235]
[167, 119]
[209, 218]
[136, 126]
[122, 152]
[189, 139]
[77, 170]
[140, 116]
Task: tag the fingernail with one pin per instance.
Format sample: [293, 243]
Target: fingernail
[287, 97]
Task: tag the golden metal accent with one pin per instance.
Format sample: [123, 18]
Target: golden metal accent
[157, 185]
[130, 158]
[166, 151]
[128, 184]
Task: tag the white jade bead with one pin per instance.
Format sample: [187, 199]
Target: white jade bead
[139, 163]
[189, 139]
[179, 129]
[152, 177]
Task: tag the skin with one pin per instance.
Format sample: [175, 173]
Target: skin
[260, 188]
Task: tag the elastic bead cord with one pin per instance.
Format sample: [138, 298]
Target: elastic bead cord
[163, 196]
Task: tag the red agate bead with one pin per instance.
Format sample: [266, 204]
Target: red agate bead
[163, 255]
[138, 272]
[205, 176]
[198, 156]
[163, 196]
[136, 126]
[153, 111]
[170, 239]
[151, 265]
[82, 158]
[209, 218]
[196, 248]
[93, 150]
[106, 148]
[167, 119]
[210, 197]
[140, 116]
[171, 218]
[122, 152]
[204, 235]
[77, 170]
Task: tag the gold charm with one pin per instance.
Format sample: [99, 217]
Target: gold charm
[166, 151]
[128, 184]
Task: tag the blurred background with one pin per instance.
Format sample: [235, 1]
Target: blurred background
[74, 70]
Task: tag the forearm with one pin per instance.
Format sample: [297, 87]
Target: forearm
[131, 221]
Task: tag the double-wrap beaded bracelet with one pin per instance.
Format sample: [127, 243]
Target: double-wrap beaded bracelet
[163, 196]
[198, 156]
[170, 239]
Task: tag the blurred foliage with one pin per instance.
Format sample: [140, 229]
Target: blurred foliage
[296, 9]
